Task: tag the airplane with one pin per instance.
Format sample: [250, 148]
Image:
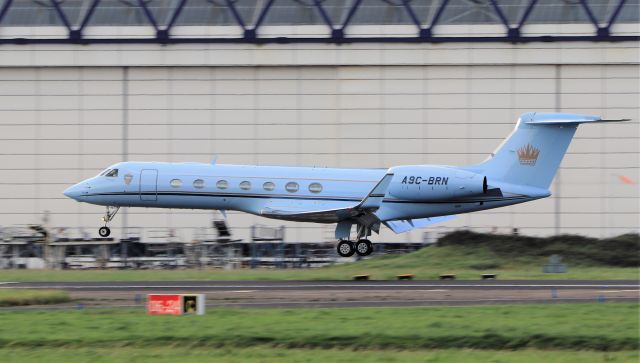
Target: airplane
[402, 197]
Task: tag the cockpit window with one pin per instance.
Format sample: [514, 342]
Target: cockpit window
[104, 172]
[112, 173]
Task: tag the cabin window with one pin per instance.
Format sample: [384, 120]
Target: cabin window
[198, 183]
[176, 183]
[222, 184]
[315, 187]
[245, 185]
[112, 173]
[268, 186]
[292, 187]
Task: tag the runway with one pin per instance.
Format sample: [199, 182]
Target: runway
[314, 285]
[307, 294]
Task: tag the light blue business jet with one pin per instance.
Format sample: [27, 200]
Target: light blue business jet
[402, 197]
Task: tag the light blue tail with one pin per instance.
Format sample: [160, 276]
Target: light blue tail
[532, 153]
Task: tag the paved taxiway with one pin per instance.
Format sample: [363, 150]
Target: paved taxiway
[349, 293]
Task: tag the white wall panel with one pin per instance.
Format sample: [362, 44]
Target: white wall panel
[59, 125]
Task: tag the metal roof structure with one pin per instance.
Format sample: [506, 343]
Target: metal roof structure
[335, 18]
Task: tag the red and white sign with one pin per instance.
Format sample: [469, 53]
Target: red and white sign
[162, 304]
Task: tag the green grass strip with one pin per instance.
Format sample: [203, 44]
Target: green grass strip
[19, 297]
[278, 355]
[597, 327]
[426, 264]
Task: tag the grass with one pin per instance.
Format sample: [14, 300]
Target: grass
[428, 263]
[277, 355]
[595, 327]
[15, 297]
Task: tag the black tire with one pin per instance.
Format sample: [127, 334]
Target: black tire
[104, 231]
[364, 247]
[370, 247]
[346, 248]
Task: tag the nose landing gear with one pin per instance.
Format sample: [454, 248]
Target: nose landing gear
[108, 216]
[104, 231]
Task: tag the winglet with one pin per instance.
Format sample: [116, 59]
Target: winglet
[374, 199]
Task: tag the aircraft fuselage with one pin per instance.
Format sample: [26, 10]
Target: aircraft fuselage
[254, 189]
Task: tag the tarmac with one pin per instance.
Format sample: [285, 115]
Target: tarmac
[336, 294]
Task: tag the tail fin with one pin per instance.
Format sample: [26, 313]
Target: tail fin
[532, 153]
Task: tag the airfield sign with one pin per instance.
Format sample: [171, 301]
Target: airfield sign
[175, 304]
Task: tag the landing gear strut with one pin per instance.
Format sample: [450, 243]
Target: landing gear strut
[108, 216]
[363, 247]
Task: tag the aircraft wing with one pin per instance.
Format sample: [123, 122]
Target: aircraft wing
[401, 226]
[366, 207]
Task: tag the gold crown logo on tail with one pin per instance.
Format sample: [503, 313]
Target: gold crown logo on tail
[528, 155]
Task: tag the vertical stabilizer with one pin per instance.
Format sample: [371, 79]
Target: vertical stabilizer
[532, 153]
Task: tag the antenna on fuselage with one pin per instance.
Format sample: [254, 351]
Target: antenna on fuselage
[214, 160]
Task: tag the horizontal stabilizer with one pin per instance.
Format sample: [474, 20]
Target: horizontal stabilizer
[552, 118]
[401, 226]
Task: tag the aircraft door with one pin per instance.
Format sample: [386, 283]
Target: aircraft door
[149, 184]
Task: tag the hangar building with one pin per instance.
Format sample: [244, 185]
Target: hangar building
[355, 83]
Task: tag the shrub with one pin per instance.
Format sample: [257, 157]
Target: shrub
[621, 251]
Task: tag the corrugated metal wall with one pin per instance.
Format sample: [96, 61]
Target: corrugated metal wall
[59, 125]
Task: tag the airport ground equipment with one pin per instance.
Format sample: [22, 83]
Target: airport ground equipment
[267, 241]
[67, 248]
[218, 249]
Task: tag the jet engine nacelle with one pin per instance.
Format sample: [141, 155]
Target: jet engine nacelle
[435, 183]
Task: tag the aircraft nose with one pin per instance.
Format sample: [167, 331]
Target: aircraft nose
[76, 191]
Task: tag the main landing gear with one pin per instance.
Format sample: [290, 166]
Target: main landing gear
[363, 247]
[108, 216]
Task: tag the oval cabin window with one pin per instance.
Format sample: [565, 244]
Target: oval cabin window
[268, 186]
[292, 187]
[222, 184]
[198, 183]
[315, 187]
[245, 185]
[176, 183]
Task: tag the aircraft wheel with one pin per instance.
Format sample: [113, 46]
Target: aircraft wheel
[364, 247]
[346, 248]
[104, 231]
